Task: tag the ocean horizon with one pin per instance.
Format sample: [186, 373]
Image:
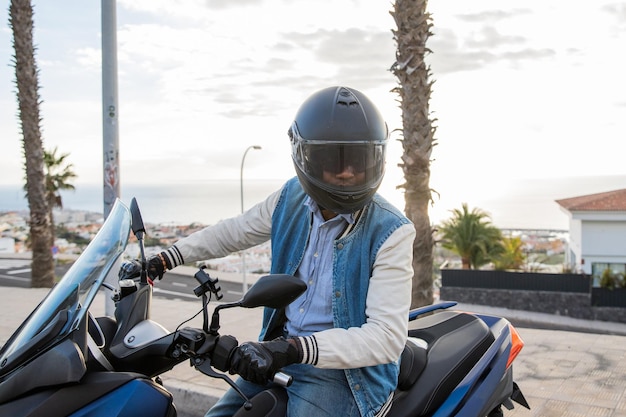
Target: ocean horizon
[204, 202]
[523, 204]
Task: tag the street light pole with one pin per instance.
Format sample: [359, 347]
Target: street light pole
[243, 252]
[110, 128]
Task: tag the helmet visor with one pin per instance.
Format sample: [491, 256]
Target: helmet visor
[341, 167]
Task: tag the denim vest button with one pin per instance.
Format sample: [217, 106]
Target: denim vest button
[337, 294]
[339, 245]
[357, 387]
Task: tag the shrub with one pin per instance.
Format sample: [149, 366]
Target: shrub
[612, 280]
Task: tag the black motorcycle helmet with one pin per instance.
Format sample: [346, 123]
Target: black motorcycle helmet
[339, 129]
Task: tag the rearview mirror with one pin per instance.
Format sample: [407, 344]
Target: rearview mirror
[274, 291]
[137, 221]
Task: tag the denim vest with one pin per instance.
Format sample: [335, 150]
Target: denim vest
[354, 257]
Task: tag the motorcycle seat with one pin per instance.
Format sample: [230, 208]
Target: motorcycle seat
[412, 362]
[455, 342]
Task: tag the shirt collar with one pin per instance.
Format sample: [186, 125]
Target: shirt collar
[314, 208]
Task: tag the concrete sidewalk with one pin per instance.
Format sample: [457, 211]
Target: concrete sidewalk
[561, 373]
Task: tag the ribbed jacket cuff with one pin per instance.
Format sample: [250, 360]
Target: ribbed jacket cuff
[173, 257]
[307, 349]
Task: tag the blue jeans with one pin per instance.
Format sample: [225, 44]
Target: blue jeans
[314, 392]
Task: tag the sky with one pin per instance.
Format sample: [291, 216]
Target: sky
[525, 92]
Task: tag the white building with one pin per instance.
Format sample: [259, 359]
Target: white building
[7, 245]
[597, 230]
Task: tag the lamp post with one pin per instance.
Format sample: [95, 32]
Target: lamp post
[110, 128]
[243, 252]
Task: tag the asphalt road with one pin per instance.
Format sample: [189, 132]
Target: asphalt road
[17, 273]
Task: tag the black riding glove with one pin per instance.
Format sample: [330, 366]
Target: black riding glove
[156, 265]
[257, 362]
[129, 270]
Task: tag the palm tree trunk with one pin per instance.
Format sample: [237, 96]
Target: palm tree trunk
[21, 21]
[413, 29]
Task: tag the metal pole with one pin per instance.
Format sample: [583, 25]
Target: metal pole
[110, 126]
[243, 252]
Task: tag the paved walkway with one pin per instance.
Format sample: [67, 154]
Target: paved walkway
[561, 373]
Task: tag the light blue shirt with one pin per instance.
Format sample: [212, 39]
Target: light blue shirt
[312, 311]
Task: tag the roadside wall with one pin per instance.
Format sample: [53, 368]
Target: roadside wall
[563, 294]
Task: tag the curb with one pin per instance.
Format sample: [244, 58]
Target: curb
[189, 399]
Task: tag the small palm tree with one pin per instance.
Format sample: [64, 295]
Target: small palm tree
[471, 235]
[58, 175]
[512, 256]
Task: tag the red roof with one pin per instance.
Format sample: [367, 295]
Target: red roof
[608, 201]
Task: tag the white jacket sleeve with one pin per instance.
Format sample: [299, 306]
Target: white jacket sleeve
[231, 235]
[381, 339]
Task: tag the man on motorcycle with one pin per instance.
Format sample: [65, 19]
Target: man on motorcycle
[341, 340]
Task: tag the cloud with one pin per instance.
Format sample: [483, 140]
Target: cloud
[221, 4]
[350, 56]
[489, 16]
[481, 45]
[489, 37]
[616, 10]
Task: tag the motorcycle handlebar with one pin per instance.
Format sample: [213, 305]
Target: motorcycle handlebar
[223, 351]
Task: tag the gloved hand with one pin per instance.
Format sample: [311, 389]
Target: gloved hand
[155, 267]
[129, 270]
[257, 362]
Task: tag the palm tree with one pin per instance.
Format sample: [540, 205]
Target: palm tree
[21, 22]
[471, 235]
[414, 89]
[58, 175]
[512, 256]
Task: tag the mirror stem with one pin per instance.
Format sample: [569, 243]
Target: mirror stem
[215, 323]
[215, 318]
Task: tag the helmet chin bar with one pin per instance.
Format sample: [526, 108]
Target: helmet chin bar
[332, 201]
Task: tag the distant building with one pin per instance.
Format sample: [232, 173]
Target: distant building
[597, 230]
[7, 245]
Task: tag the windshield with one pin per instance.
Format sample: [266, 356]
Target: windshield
[67, 303]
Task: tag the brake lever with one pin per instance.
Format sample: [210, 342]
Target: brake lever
[203, 364]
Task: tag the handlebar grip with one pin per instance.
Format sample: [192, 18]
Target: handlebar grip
[282, 379]
[223, 350]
